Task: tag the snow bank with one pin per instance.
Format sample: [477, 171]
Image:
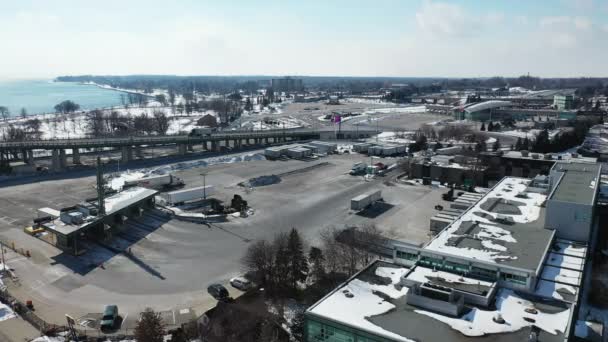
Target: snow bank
[117, 181]
[6, 312]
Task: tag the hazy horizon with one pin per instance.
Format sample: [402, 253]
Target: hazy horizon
[389, 38]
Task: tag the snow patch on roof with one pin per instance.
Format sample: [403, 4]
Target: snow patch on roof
[511, 308]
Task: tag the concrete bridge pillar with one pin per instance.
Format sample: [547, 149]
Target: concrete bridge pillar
[55, 161]
[127, 154]
[214, 145]
[182, 149]
[190, 147]
[139, 152]
[266, 141]
[63, 160]
[227, 143]
[75, 156]
[28, 157]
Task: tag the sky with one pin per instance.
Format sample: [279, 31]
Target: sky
[401, 38]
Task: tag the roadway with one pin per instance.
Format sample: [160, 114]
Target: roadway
[163, 140]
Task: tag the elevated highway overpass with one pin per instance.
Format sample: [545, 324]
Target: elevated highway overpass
[218, 141]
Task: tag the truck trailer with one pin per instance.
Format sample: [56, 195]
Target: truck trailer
[157, 182]
[186, 195]
[363, 201]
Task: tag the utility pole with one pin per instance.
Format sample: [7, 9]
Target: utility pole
[2, 249]
[204, 186]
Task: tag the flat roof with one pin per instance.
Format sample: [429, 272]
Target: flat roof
[562, 273]
[578, 184]
[113, 204]
[554, 157]
[374, 301]
[506, 226]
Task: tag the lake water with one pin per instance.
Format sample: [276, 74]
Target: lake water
[40, 96]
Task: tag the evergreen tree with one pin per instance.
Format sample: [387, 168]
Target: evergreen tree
[282, 268]
[248, 105]
[315, 255]
[297, 262]
[542, 142]
[518, 144]
[525, 144]
[483, 126]
[490, 127]
[150, 327]
[496, 145]
[297, 326]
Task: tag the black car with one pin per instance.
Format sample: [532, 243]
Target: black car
[218, 291]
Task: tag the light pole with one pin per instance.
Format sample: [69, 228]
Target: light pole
[204, 186]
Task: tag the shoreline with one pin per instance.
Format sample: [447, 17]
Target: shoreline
[107, 87]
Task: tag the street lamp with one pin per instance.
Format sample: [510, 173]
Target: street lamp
[204, 186]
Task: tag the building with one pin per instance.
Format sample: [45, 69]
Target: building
[480, 111]
[495, 110]
[563, 102]
[457, 169]
[84, 220]
[571, 203]
[526, 164]
[287, 84]
[501, 269]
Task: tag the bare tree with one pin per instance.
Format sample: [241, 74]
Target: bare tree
[259, 260]
[4, 112]
[162, 122]
[95, 123]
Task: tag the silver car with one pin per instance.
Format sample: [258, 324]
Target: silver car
[241, 283]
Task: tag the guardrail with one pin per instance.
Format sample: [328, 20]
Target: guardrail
[146, 140]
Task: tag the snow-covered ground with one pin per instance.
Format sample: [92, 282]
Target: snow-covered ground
[287, 122]
[117, 181]
[405, 137]
[75, 125]
[530, 134]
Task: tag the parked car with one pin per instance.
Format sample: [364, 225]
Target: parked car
[218, 291]
[110, 315]
[241, 283]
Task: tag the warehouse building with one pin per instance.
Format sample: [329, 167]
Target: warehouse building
[501, 268]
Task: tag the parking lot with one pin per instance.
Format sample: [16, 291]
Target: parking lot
[170, 262]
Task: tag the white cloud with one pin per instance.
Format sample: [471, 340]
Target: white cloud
[583, 5]
[442, 19]
[582, 23]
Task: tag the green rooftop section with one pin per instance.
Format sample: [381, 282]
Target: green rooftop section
[578, 184]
